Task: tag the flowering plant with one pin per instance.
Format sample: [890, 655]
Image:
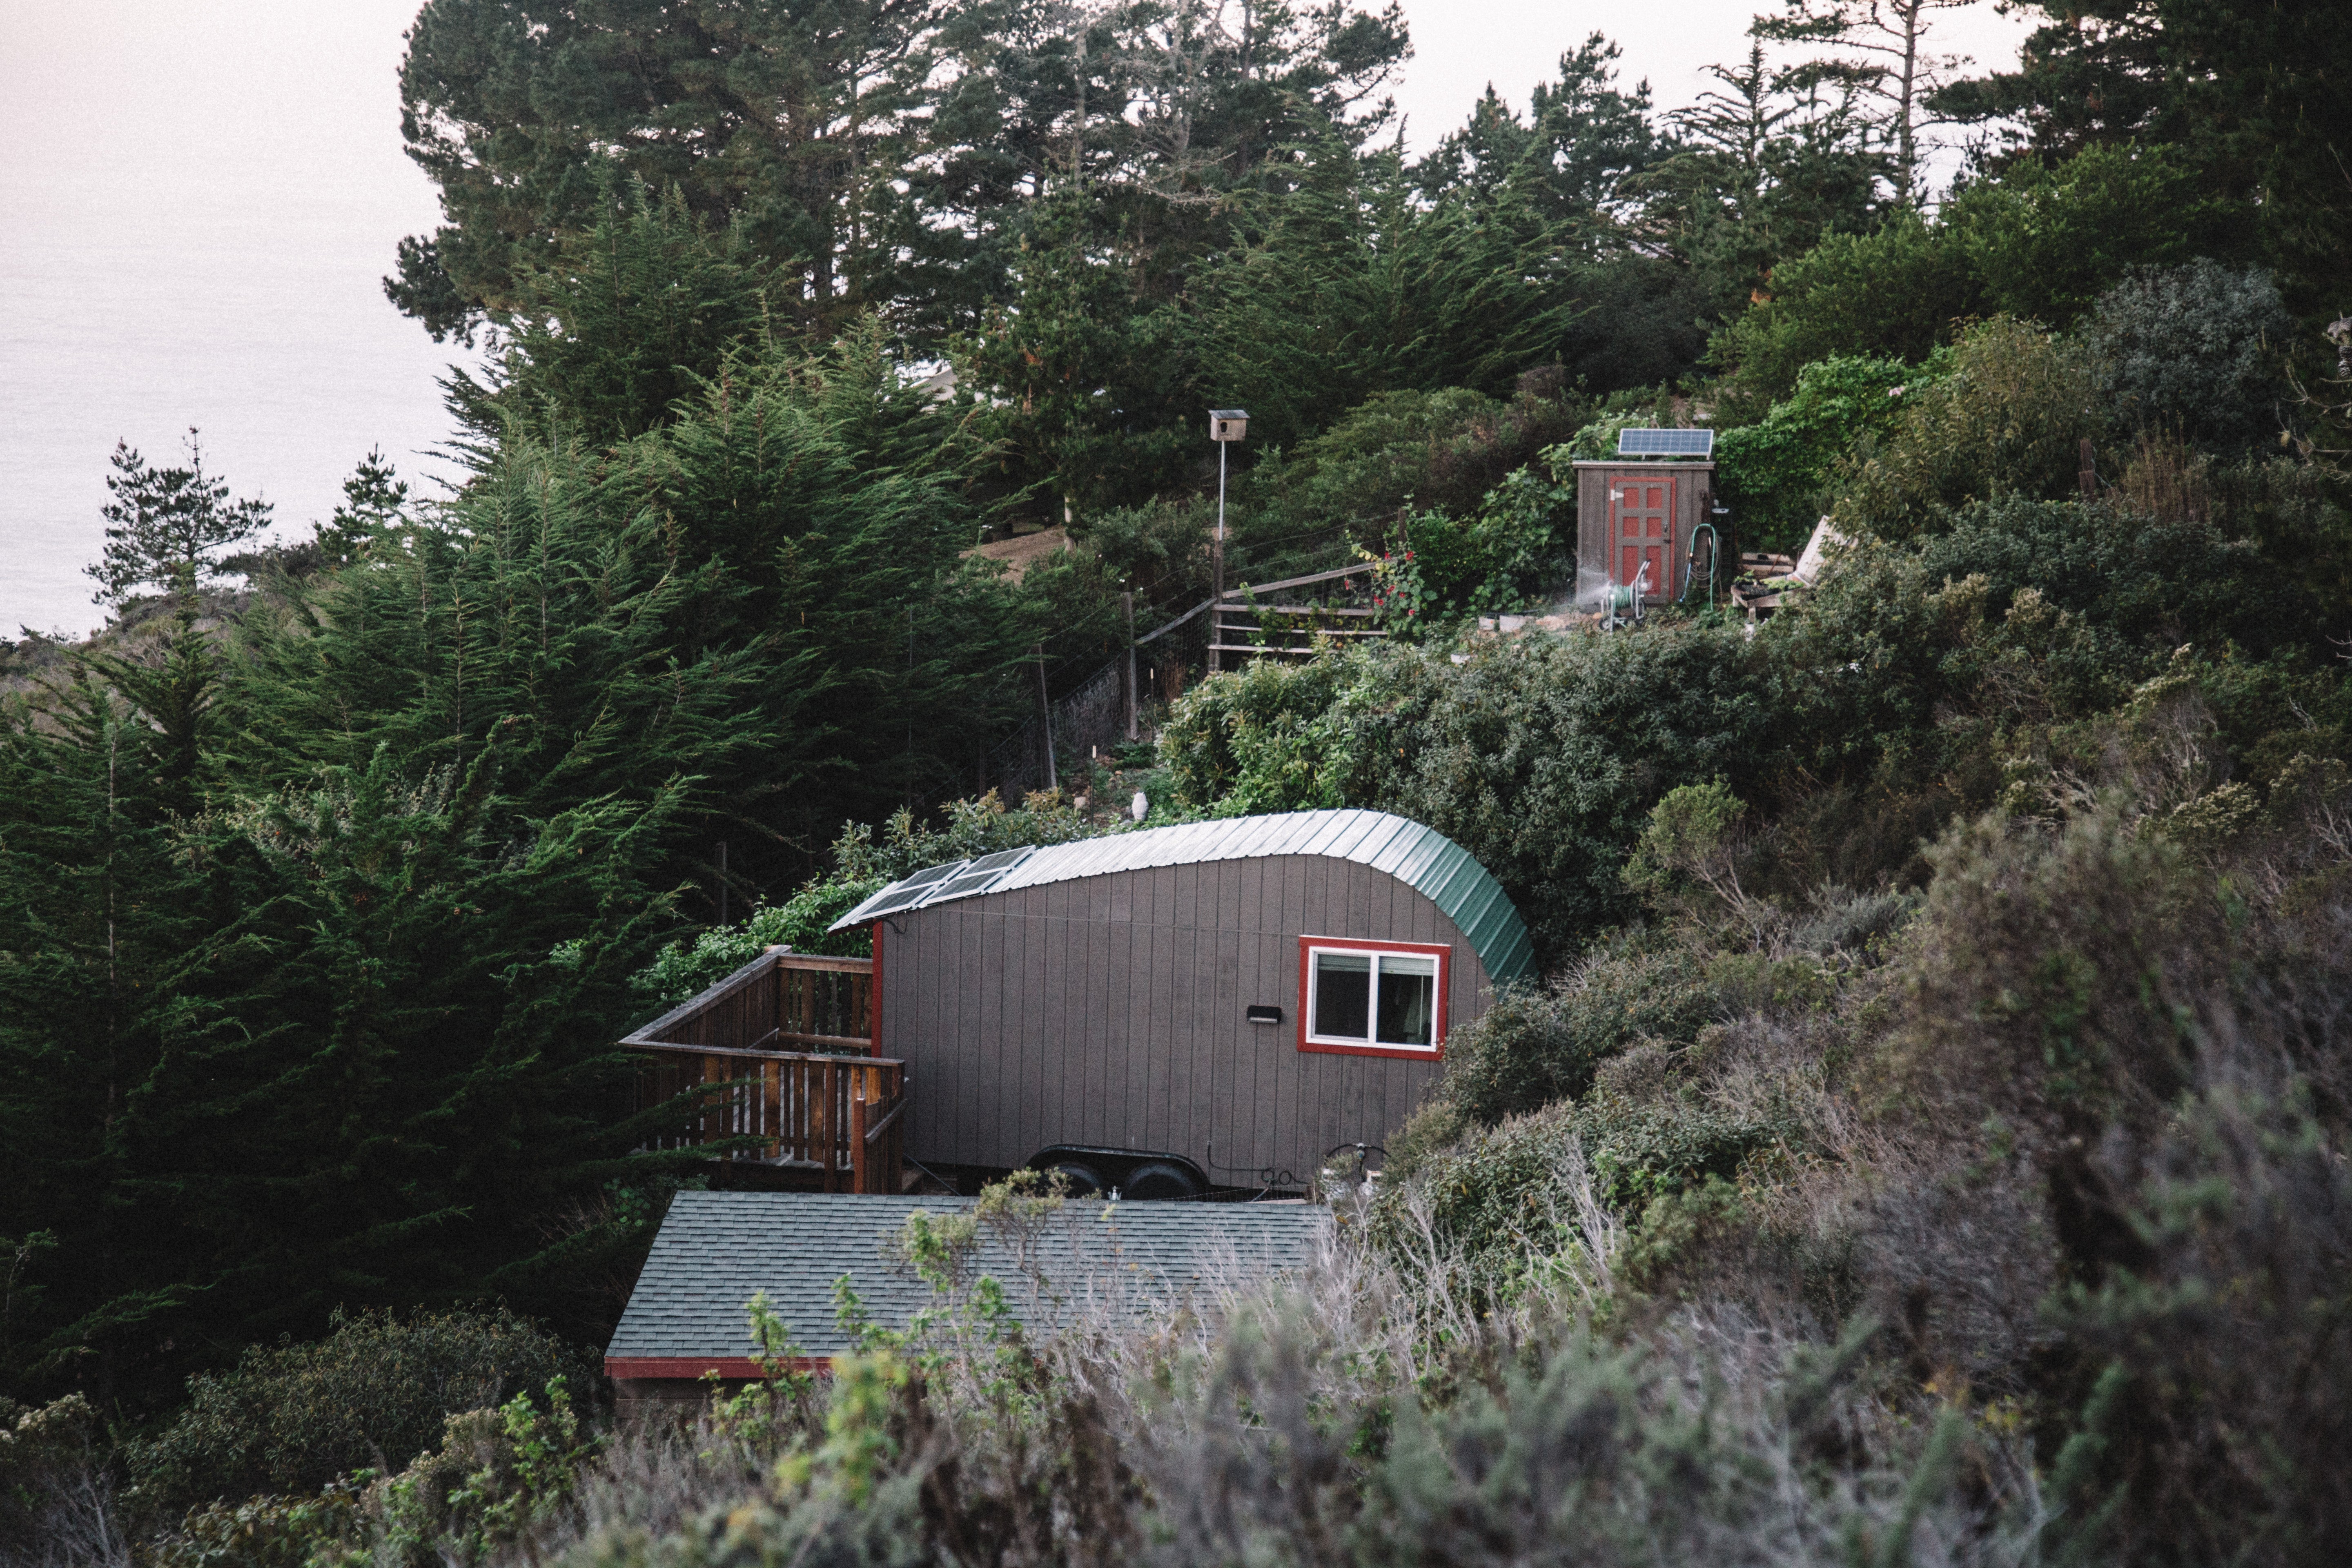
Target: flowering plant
[1401, 591]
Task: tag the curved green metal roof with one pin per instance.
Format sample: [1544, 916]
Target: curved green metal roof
[1422, 858]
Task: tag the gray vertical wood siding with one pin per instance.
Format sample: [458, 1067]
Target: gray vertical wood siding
[1694, 504]
[1110, 1010]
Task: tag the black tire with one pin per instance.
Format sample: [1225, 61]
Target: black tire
[1158, 1181]
[1086, 1182]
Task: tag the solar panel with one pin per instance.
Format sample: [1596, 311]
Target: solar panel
[929, 874]
[888, 902]
[1665, 442]
[1001, 859]
[969, 882]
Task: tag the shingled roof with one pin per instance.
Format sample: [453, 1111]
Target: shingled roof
[1420, 856]
[716, 1250]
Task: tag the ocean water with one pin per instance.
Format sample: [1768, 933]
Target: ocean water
[199, 245]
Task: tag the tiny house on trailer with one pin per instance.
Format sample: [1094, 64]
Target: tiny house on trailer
[1219, 1003]
[1645, 510]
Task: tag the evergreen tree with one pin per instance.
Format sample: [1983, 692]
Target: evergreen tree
[795, 118]
[165, 527]
[2250, 92]
[324, 1048]
[1767, 164]
[724, 602]
[880, 155]
[98, 917]
[1348, 285]
[1881, 48]
[622, 322]
[374, 499]
[1584, 138]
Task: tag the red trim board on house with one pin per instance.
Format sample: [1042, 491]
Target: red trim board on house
[1435, 1051]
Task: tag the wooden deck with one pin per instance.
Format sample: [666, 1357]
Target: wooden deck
[781, 1057]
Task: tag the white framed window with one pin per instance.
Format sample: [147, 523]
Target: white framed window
[1372, 998]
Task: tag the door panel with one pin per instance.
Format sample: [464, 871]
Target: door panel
[1641, 530]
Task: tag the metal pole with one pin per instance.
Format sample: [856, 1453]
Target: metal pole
[1045, 719]
[1217, 597]
[1127, 603]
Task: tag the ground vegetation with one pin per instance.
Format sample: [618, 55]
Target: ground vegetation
[1923, 1139]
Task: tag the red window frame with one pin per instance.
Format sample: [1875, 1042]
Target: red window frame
[1435, 1052]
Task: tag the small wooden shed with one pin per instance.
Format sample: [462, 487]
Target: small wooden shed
[1631, 514]
[1244, 995]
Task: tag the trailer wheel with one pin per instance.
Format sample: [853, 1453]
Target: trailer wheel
[1157, 1179]
[1086, 1182]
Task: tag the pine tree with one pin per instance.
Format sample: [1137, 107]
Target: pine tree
[1351, 284]
[1880, 48]
[165, 527]
[98, 917]
[1583, 140]
[795, 118]
[374, 499]
[1769, 162]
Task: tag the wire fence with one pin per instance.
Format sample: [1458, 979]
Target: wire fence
[1093, 716]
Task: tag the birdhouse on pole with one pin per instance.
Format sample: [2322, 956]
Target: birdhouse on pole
[1228, 423]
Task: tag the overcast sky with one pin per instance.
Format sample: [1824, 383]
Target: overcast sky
[201, 198]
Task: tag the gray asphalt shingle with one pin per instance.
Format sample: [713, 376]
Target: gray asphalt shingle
[716, 1250]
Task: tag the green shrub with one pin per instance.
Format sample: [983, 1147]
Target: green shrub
[1910, 657]
[1776, 473]
[864, 864]
[311, 1531]
[973, 827]
[1892, 294]
[2300, 513]
[1504, 1193]
[1162, 548]
[1263, 738]
[290, 1418]
[1440, 451]
[2196, 351]
[2046, 241]
[496, 1478]
[1577, 1450]
[1539, 755]
[799, 923]
[2038, 243]
[1514, 552]
[1540, 1044]
[2008, 420]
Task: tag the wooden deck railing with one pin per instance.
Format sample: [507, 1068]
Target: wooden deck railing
[838, 1107]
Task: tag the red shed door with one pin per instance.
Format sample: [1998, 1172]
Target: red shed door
[1642, 525]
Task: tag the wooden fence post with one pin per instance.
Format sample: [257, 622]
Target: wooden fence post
[858, 1109]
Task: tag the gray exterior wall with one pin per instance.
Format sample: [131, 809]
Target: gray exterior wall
[1110, 1010]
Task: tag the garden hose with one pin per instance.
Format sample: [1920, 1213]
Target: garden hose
[1714, 555]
